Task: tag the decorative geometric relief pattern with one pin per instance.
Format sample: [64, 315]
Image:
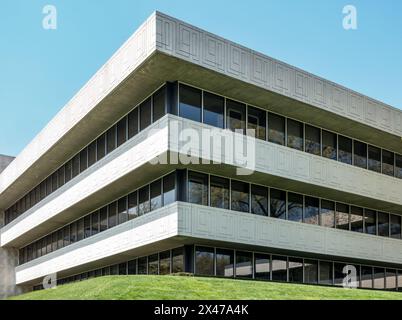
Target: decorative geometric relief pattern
[288, 235]
[242, 63]
[189, 43]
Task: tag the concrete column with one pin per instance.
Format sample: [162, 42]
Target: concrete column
[8, 262]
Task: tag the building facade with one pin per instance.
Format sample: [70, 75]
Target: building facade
[125, 180]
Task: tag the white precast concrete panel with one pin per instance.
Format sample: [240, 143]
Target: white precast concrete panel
[132, 155]
[158, 225]
[187, 42]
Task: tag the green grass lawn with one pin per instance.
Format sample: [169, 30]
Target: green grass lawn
[181, 287]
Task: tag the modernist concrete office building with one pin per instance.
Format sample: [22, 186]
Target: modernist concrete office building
[85, 197]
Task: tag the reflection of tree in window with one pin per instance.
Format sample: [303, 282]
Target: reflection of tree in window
[278, 204]
[240, 199]
[198, 188]
[329, 145]
[259, 200]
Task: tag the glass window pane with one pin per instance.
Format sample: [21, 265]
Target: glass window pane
[177, 260]
[356, 219]
[123, 268]
[244, 264]
[122, 131]
[276, 129]
[370, 225]
[159, 99]
[112, 215]
[236, 116]
[132, 205]
[54, 188]
[383, 224]
[190, 103]
[295, 207]
[327, 213]
[339, 275]
[326, 276]
[379, 278]
[132, 267]
[60, 181]
[295, 134]
[80, 229]
[143, 201]
[214, 107]
[132, 123]
[390, 279]
[76, 171]
[342, 216]
[279, 268]
[398, 167]
[101, 147]
[277, 203]
[164, 262]
[87, 226]
[311, 210]
[153, 264]
[240, 196]
[73, 232]
[169, 189]
[204, 261]
[103, 219]
[259, 200]
[313, 140]
[219, 192]
[122, 210]
[257, 120]
[310, 271]
[395, 226]
[262, 266]
[329, 144]
[388, 163]
[95, 222]
[111, 139]
[142, 265]
[295, 270]
[366, 277]
[224, 263]
[198, 188]
[68, 168]
[360, 154]
[156, 194]
[91, 153]
[374, 158]
[145, 114]
[345, 149]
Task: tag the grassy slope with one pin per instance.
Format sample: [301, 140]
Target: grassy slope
[174, 287]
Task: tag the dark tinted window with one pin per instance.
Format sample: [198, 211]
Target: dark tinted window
[169, 189]
[219, 192]
[91, 153]
[279, 268]
[164, 262]
[112, 215]
[356, 219]
[383, 224]
[214, 107]
[395, 226]
[327, 214]
[398, 167]
[111, 139]
[190, 103]
[329, 143]
[262, 266]
[143, 200]
[159, 104]
[278, 204]
[224, 262]
[198, 188]
[95, 222]
[295, 134]
[259, 200]
[342, 216]
[257, 120]
[132, 205]
[122, 131]
[370, 225]
[360, 154]
[236, 116]
[156, 194]
[145, 114]
[240, 196]
[122, 210]
[295, 270]
[388, 163]
[244, 264]
[326, 273]
[101, 147]
[313, 140]
[311, 210]
[374, 158]
[132, 123]
[295, 207]
[276, 129]
[103, 220]
[345, 149]
[204, 261]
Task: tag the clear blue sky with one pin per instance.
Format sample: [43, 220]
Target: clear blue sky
[40, 70]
